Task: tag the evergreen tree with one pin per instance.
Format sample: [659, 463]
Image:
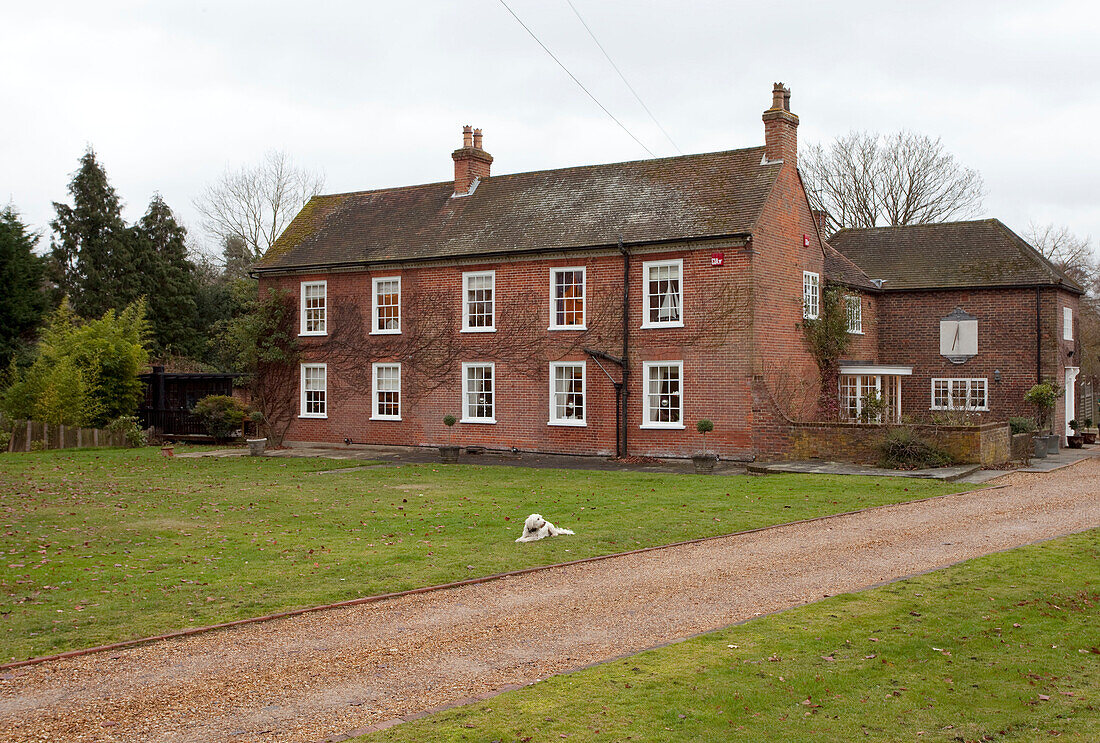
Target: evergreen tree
[22, 299]
[167, 279]
[91, 249]
[237, 257]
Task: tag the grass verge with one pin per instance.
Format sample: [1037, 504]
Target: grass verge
[1000, 648]
[106, 545]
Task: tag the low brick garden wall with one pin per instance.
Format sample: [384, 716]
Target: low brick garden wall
[985, 444]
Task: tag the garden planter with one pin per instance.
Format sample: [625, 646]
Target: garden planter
[448, 454]
[1041, 446]
[704, 463]
[256, 447]
[1053, 444]
[1075, 442]
[1089, 437]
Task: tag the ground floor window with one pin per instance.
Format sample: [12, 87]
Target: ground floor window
[387, 392]
[664, 398]
[567, 406]
[874, 398]
[314, 391]
[478, 394]
[960, 394]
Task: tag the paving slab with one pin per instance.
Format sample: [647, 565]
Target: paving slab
[820, 467]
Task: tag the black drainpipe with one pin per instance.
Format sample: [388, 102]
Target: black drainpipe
[626, 344]
[1038, 342]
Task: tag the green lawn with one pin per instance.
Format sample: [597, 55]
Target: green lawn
[1001, 648]
[104, 545]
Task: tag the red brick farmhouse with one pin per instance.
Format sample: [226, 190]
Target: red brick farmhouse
[607, 308]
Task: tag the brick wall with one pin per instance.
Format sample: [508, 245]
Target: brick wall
[714, 345]
[909, 334]
[781, 359]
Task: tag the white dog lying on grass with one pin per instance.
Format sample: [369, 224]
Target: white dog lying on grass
[536, 527]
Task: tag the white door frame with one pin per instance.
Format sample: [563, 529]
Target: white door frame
[1071, 396]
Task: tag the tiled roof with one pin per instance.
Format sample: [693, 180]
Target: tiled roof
[948, 255]
[692, 196]
[840, 269]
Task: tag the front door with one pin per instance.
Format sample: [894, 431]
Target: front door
[1071, 396]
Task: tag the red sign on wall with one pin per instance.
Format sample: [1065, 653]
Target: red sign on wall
[717, 259]
[805, 241]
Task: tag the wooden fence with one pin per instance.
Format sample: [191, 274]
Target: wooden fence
[35, 435]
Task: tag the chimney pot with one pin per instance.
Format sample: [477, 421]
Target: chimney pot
[477, 139]
[467, 136]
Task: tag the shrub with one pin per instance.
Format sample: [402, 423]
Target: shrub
[1043, 397]
[5, 440]
[902, 449]
[704, 426]
[128, 424]
[1021, 424]
[221, 414]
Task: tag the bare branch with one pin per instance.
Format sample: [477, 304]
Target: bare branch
[866, 179]
[254, 204]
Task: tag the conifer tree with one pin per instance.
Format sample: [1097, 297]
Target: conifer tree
[158, 244]
[22, 299]
[92, 260]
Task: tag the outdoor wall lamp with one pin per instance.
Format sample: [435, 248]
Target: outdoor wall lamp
[996, 375]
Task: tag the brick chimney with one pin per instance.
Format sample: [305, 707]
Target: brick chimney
[471, 162]
[781, 128]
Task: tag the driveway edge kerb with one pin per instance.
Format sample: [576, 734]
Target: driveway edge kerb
[457, 584]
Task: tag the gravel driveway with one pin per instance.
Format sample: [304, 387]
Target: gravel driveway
[321, 674]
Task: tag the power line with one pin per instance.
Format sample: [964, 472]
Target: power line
[622, 76]
[578, 82]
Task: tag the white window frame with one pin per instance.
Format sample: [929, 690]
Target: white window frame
[374, 329]
[554, 299]
[466, 276]
[811, 295]
[1067, 323]
[647, 266]
[646, 410]
[302, 412]
[853, 309]
[466, 366]
[556, 421]
[965, 383]
[374, 414]
[302, 328]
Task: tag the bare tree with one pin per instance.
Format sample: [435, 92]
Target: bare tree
[247, 209]
[1069, 252]
[867, 179]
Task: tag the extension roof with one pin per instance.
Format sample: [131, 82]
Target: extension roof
[667, 199]
[983, 253]
[840, 269]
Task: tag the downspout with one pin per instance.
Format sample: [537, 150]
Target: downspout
[626, 345]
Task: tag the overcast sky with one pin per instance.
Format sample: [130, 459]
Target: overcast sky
[374, 94]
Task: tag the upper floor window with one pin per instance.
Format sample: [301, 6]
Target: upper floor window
[663, 400]
[663, 294]
[314, 310]
[387, 392]
[1067, 323]
[567, 394]
[853, 304]
[386, 305]
[479, 301]
[811, 295]
[960, 394]
[567, 311]
[314, 391]
[478, 393]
